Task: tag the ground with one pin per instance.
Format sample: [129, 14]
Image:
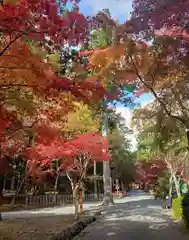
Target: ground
[137, 217]
[40, 224]
[35, 228]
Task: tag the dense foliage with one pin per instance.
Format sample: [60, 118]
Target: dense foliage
[177, 208]
[185, 209]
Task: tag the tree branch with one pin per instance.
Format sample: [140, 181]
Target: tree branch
[155, 95]
[8, 45]
[17, 85]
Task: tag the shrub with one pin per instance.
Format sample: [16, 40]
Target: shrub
[177, 207]
[161, 189]
[185, 209]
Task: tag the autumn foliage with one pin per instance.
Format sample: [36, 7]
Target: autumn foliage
[37, 19]
[40, 81]
[148, 15]
[149, 172]
[73, 155]
[36, 97]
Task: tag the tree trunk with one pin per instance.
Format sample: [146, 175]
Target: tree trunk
[2, 180]
[122, 187]
[17, 192]
[55, 187]
[187, 136]
[108, 196]
[4, 183]
[75, 194]
[56, 182]
[170, 191]
[95, 182]
[81, 194]
[75, 201]
[176, 184]
[170, 186]
[1, 191]
[13, 183]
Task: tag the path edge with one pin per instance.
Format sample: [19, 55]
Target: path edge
[76, 228]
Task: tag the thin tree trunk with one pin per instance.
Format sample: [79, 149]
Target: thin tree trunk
[170, 190]
[122, 187]
[1, 193]
[187, 136]
[55, 187]
[170, 186]
[17, 192]
[81, 199]
[95, 182]
[13, 183]
[4, 183]
[75, 189]
[75, 201]
[56, 182]
[77, 184]
[57, 176]
[176, 184]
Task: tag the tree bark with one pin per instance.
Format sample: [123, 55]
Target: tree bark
[2, 179]
[176, 184]
[13, 183]
[56, 182]
[95, 181]
[170, 190]
[187, 136]
[108, 197]
[170, 186]
[75, 201]
[17, 192]
[81, 198]
[55, 187]
[75, 194]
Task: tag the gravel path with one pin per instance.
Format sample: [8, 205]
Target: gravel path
[137, 217]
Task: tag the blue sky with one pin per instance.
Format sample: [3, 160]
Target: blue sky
[144, 99]
[120, 9]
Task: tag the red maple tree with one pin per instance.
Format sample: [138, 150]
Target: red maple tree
[50, 145]
[149, 172]
[149, 15]
[36, 20]
[75, 156]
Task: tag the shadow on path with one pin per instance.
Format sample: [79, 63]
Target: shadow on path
[136, 217]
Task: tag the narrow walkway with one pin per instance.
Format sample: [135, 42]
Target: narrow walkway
[137, 217]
